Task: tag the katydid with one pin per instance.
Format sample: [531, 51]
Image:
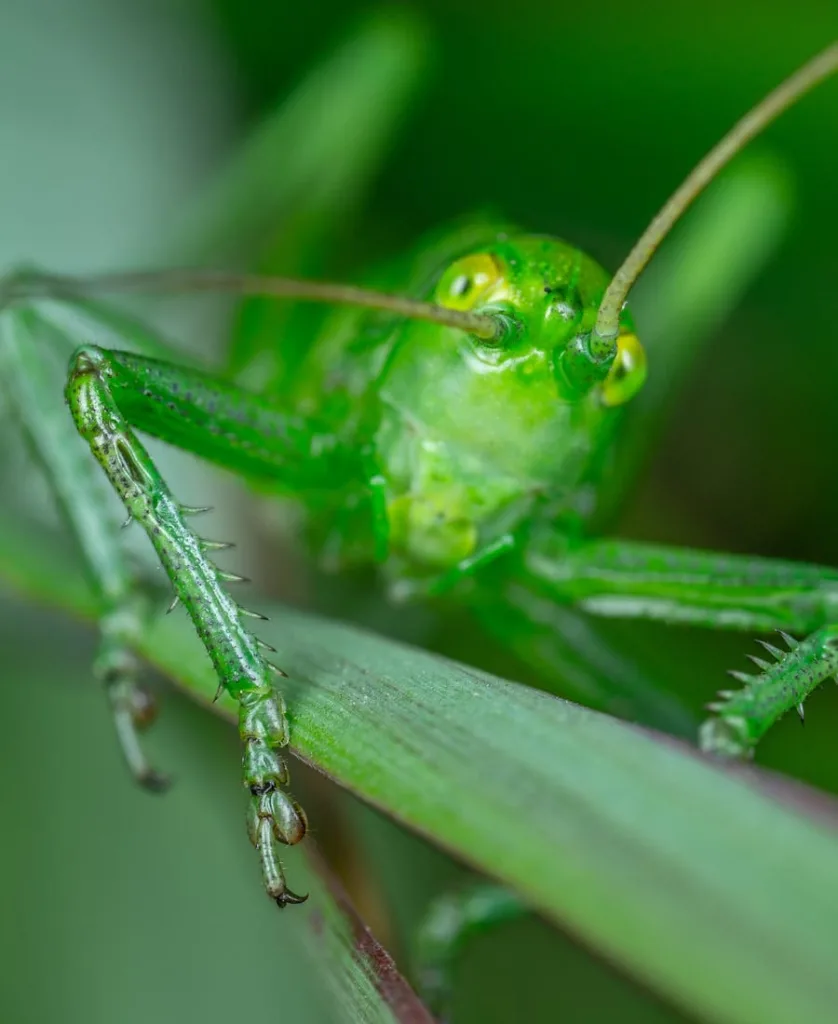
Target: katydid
[451, 428]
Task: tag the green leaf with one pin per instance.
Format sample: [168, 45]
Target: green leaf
[690, 288]
[689, 876]
[311, 159]
[360, 975]
[291, 191]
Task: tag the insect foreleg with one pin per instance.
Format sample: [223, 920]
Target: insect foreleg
[474, 563]
[242, 670]
[29, 391]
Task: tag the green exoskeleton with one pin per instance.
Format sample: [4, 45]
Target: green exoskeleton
[451, 428]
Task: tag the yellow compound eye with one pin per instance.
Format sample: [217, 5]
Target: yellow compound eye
[468, 281]
[628, 372]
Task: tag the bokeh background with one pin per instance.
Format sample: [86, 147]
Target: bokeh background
[572, 119]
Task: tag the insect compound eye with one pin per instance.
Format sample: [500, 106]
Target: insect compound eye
[627, 373]
[469, 281]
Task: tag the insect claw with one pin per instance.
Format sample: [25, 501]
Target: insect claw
[761, 663]
[153, 781]
[288, 897]
[775, 652]
[791, 643]
[174, 604]
[802, 713]
[127, 523]
[218, 692]
[195, 510]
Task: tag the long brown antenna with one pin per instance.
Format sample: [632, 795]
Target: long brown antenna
[251, 284]
[780, 99]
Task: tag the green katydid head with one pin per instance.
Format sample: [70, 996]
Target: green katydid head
[475, 429]
[544, 296]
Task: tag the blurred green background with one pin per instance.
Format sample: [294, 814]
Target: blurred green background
[570, 119]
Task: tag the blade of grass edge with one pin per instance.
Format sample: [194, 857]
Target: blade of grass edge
[364, 981]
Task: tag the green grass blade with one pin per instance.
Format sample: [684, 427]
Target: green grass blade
[312, 157]
[289, 195]
[686, 875]
[699, 277]
[362, 978]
